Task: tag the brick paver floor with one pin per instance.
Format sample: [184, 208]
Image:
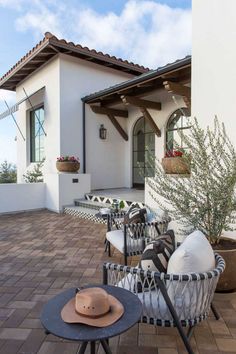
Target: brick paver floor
[42, 253]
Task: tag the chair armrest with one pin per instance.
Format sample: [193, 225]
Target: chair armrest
[115, 219]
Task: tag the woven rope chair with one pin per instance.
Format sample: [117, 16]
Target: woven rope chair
[169, 300]
[131, 239]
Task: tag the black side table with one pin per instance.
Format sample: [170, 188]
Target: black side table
[53, 323]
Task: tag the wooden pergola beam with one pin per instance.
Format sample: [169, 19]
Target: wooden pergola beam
[178, 89]
[149, 118]
[118, 127]
[138, 102]
[107, 111]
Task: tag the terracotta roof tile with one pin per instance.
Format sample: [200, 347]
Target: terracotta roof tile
[53, 40]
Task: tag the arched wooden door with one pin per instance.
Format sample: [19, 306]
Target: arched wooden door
[143, 141]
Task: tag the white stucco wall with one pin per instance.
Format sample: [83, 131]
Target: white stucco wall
[66, 81]
[47, 76]
[21, 197]
[79, 78]
[63, 188]
[213, 62]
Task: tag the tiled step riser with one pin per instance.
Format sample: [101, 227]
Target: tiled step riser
[84, 215]
[86, 205]
[109, 201]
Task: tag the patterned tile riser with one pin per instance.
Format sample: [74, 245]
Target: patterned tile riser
[107, 200]
[84, 215]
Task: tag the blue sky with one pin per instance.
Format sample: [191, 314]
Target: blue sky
[148, 32]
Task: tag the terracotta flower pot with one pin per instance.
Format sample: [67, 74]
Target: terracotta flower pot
[175, 165]
[227, 281]
[67, 166]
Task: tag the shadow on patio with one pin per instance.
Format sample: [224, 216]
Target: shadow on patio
[42, 253]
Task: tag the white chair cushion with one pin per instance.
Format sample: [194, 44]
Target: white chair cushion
[116, 238]
[154, 305]
[194, 255]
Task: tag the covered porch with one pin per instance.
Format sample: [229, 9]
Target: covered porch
[130, 119]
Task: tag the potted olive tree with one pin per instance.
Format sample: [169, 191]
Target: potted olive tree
[206, 200]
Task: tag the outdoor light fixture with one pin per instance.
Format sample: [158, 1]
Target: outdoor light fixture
[102, 132]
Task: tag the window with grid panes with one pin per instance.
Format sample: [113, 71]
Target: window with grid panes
[37, 135]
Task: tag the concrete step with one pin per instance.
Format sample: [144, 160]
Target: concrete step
[84, 213]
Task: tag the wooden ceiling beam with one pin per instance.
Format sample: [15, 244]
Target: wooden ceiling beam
[43, 54]
[29, 68]
[149, 118]
[53, 48]
[138, 102]
[113, 112]
[38, 61]
[118, 127]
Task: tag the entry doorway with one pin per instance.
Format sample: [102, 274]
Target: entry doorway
[143, 144]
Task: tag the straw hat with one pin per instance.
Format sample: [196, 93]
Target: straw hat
[94, 307]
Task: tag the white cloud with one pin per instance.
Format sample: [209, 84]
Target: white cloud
[145, 32]
[40, 19]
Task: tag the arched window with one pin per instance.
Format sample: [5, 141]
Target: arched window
[179, 120]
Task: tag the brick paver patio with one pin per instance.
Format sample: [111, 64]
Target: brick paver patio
[42, 253]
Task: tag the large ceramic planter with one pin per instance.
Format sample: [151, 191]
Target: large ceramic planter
[175, 165]
[68, 166]
[227, 281]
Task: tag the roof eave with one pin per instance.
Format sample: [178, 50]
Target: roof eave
[143, 78]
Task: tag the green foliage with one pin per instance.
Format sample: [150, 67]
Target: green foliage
[122, 204]
[7, 173]
[35, 175]
[205, 200]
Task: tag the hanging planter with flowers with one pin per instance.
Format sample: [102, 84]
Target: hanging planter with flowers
[68, 164]
[176, 162]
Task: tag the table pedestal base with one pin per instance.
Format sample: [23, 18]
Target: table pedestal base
[103, 342]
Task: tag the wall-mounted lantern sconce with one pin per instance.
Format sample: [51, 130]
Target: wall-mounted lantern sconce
[102, 132]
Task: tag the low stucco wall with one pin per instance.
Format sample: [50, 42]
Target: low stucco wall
[59, 190]
[63, 188]
[20, 197]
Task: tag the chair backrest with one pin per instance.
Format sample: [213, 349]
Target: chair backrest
[190, 294]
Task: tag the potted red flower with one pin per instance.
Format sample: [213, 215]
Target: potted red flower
[68, 164]
[176, 162]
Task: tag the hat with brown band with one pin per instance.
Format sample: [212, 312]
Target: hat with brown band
[94, 307]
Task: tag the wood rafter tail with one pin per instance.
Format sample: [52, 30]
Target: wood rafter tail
[181, 90]
[148, 116]
[177, 88]
[138, 102]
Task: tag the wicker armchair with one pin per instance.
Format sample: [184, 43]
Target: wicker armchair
[131, 239]
[169, 300]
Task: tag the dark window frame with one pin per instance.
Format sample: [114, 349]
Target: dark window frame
[34, 135]
[172, 117]
[146, 168]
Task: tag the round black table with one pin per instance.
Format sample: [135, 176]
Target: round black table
[53, 323]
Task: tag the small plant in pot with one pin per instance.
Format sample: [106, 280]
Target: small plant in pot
[68, 164]
[206, 200]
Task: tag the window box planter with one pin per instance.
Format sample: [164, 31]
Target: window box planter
[68, 166]
[175, 165]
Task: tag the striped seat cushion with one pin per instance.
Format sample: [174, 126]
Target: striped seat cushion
[156, 255]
